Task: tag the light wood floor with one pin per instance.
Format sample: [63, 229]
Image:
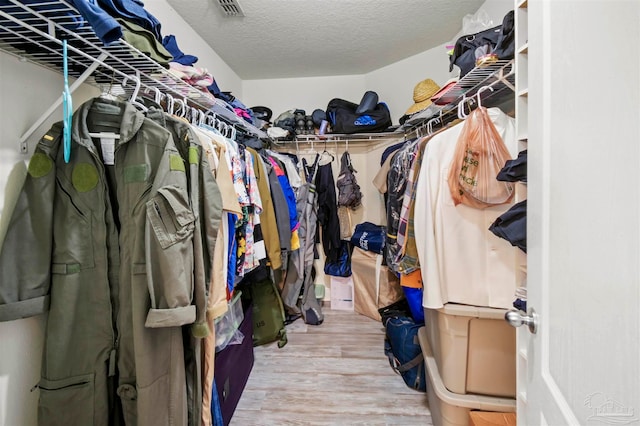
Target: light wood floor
[332, 374]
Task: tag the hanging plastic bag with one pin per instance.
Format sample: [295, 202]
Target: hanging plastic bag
[480, 155]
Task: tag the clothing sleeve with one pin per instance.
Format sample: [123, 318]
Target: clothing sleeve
[169, 230]
[281, 211]
[208, 223]
[25, 254]
[105, 26]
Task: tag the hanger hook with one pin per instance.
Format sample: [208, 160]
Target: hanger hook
[461, 113]
[157, 95]
[136, 89]
[170, 104]
[480, 90]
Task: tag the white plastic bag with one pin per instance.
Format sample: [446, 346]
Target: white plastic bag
[477, 22]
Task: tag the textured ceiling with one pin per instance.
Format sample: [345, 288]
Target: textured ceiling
[304, 38]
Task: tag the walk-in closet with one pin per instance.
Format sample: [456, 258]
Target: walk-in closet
[360, 212]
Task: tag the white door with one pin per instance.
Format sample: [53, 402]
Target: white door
[583, 365]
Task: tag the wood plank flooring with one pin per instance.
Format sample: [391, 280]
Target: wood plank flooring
[332, 374]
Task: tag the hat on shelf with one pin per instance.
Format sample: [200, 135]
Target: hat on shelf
[443, 97]
[422, 94]
[262, 113]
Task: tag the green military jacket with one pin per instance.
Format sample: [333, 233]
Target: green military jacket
[104, 242]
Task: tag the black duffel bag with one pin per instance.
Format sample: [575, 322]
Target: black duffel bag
[499, 40]
[343, 117]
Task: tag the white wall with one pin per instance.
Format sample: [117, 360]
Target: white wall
[191, 43]
[395, 83]
[309, 93]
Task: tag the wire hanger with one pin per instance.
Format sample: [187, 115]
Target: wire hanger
[67, 106]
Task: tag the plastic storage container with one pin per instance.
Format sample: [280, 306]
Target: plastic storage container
[448, 408]
[474, 349]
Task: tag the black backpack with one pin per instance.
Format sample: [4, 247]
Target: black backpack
[343, 117]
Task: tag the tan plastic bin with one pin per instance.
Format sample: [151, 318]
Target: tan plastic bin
[474, 348]
[448, 408]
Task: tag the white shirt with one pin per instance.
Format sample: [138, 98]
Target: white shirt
[462, 261]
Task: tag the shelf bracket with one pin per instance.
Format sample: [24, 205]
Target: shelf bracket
[502, 78]
[23, 147]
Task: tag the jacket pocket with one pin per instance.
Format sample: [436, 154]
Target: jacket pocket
[66, 402]
[170, 216]
[72, 230]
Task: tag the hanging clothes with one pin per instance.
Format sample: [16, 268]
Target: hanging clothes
[268, 215]
[280, 207]
[328, 212]
[202, 187]
[461, 260]
[217, 300]
[254, 249]
[396, 185]
[299, 273]
[290, 198]
[290, 167]
[116, 216]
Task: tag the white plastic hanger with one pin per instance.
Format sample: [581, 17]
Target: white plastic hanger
[479, 92]
[133, 100]
[461, 113]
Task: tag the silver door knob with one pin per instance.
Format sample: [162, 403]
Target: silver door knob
[517, 318]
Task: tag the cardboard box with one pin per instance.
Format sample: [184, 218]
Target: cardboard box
[483, 418]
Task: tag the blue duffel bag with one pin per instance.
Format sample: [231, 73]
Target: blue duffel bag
[369, 237]
[403, 350]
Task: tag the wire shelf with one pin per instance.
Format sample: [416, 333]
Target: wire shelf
[499, 76]
[35, 31]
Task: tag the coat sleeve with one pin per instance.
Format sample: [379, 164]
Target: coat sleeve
[210, 212]
[169, 233]
[25, 252]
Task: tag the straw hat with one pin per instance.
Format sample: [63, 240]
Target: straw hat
[422, 94]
